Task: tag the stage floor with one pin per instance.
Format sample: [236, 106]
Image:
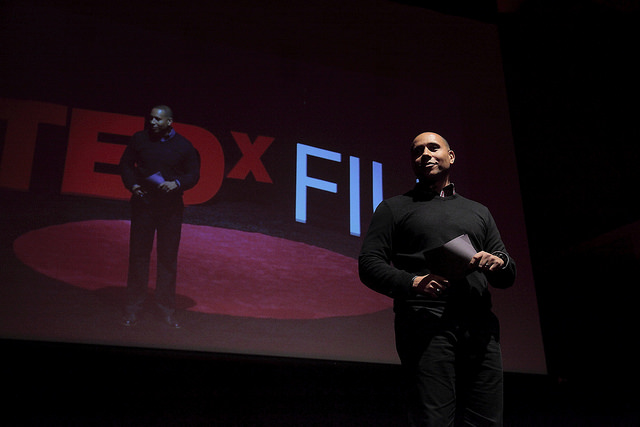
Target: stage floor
[51, 384]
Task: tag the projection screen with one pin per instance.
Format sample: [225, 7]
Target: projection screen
[300, 136]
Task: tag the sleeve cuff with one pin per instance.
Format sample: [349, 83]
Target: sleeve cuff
[503, 256]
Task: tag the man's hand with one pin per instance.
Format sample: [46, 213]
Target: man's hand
[484, 261]
[137, 190]
[431, 285]
[168, 186]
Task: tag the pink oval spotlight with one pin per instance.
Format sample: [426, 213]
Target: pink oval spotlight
[224, 271]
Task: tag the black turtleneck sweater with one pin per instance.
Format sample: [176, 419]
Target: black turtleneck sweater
[405, 228]
[174, 157]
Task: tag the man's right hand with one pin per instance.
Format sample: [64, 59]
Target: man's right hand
[431, 285]
[137, 190]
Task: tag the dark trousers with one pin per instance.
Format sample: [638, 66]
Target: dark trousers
[150, 219]
[453, 370]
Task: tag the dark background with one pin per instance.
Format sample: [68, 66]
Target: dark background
[573, 90]
[571, 70]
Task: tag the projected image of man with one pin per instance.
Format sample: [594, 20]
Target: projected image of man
[157, 166]
[436, 253]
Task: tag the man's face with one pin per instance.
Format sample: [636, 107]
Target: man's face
[159, 121]
[431, 156]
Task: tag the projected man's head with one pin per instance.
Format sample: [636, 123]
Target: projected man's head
[160, 120]
[432, 158]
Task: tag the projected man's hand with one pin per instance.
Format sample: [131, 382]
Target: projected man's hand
[138, 191]
[168, 186]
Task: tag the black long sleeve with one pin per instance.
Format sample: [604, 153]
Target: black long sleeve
[174, 159]
[405, 228]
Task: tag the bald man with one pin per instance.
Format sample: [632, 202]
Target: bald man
[157, 166]
[447, 337]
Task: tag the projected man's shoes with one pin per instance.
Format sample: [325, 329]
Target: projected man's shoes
[171, 321]
[129, 319]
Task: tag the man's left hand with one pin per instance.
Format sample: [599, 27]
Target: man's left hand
[168, 186]
[484, 261]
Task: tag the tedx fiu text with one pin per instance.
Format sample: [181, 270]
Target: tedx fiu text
[85, 150]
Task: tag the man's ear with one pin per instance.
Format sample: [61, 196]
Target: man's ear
[452, 156]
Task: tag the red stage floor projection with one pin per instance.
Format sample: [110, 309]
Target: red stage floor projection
[223, 271]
